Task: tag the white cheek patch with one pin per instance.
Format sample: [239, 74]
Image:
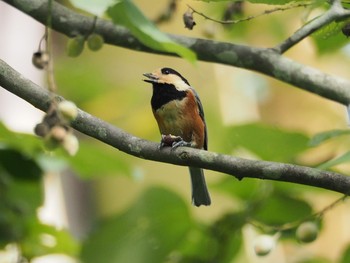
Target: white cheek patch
[181, 85]
[174, 80]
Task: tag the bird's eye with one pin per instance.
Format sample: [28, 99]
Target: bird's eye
[166, 72]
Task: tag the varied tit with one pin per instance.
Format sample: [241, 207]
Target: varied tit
[180, 117]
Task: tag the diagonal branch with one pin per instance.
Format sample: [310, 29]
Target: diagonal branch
[263, 60]
[40, 98]
[335, 13]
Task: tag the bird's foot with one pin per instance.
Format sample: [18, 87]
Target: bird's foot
[180, 143]
[169, 140]
[173, 141]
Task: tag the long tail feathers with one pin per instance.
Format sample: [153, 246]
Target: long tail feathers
[200, 194]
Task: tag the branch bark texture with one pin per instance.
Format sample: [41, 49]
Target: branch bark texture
[40, 98]
[268, 61]
[335, 13]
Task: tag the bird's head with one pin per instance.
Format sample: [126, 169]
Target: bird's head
[167, 76]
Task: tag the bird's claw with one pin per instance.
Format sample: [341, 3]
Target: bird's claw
[172, 141]
[180, 143]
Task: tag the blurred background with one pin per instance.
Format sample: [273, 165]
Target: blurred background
[105, 206]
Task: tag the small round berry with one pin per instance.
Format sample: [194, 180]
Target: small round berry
[58, 133]
[75, 46]
[188, 20]
[67, 110]
[40, 59]
[41, 129]
[264, 244]
[95, 42]
[55, 137]
[71, 144]
[307, 232]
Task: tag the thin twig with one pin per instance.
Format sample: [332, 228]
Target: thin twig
[291, 225]
[93, 26]
[232, 22]
[321, 213]
[50, 71]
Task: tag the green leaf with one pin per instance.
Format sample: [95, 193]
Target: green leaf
[274, 2]
[330, 37]
[43, 239]
[281, 208]
[346, 256]
[18, 165]
[230, 249]
[96, 7]
[323, 136]
[20, 194]
[82, 75]
[153, 227]
[194, 249]
[125, 13]
[267, 2]
[316, 260]
[24, 143]
[245, 189]
[101, 161]
[268, 142]
[339, 160]
[219, 242]
[19, 203]
[227, 233]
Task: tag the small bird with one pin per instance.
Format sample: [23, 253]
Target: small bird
[180, 117]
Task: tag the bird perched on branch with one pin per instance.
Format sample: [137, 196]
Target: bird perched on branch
[180, 117]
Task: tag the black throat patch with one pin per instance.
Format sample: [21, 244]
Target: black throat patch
[164, 93]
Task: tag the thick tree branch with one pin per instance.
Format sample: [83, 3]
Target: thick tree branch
[266, 61]
[40, 98]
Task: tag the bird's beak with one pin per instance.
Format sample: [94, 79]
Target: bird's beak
[151, 78]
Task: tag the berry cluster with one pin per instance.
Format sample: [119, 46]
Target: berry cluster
[306, 232]
[55, 128]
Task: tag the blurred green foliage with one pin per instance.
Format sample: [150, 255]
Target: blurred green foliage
[158, 226]
[21, 194]
[267, 142]
[330, 37]
[147, 232]
[346, 255]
